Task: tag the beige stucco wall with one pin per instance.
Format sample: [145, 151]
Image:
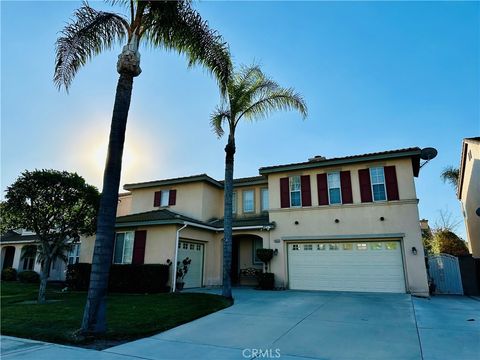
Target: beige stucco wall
[470, 196]
[124, 206]
[198, 200]
[401, 217]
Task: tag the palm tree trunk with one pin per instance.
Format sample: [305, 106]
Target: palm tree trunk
[43, 281]
[228, 218]
[94, 317]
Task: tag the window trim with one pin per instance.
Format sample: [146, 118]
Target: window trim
[123, 250]
[234, 202]
[384, 183]
[262, 196]
[299, 190]
[244, 192]
[76, 253]
[254, 251]
[339, 188]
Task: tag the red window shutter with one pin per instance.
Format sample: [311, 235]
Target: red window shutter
[391, 182]
[365, 185]
[139, 247]
[346, 185]
[306, 192]
[156, 198]
[322, 188]
[284, 192]
[172, 197]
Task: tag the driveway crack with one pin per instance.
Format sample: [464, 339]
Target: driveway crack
[416, 327]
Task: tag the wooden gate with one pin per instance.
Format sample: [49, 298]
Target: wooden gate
[445, 273]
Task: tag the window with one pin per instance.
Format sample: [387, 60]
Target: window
[377, 178]
[295, 192]
[199, 247]
[123, 248]
[308, 247]
[248, 201]
[376, 246]
[333, 247]
[257, 244]
[294, 247]
[29, 254]
[362, 247]
[334, 193]
[347, 246]
[391, 246]
[321, 247]
[234, 202]
[164, 198]
[264, 199]
[74, 254]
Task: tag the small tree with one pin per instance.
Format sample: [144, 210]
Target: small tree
[447, 242]
[58, 206]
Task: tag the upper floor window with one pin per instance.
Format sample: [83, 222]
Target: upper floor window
[74, 254]
[334, 190]
[295, 191]
[264, 199]
[123, 248]
[377, 178]
[234, 202]
[248, 201]
[165, 198]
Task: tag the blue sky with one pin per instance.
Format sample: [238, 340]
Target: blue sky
[376, 76]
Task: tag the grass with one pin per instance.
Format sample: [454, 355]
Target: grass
[129, 316]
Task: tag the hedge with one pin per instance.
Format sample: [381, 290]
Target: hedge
[29, 276]
[126, 278]
[9, 274]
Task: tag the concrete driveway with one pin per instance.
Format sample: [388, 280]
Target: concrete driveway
[310, 325]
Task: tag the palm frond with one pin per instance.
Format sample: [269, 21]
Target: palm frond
[88, 34]
[216, 120]
[279, 99]
[451, 175]
[174, 25]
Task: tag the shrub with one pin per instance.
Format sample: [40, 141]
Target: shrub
[9, 274]
[447, 242]
[265, 255]
[29, 277]
[266, 281]
[78, 276]
[126, 278]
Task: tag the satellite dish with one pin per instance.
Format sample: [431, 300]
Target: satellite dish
[428, 153]
[478, 211]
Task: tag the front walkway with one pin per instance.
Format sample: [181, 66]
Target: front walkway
[303, 325]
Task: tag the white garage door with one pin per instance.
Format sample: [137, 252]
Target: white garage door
[346, 266]
[194, 251]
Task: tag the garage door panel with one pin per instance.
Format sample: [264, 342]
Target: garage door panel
[376, 266]
[194, 251]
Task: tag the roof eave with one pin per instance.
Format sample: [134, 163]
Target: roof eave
[414, 154]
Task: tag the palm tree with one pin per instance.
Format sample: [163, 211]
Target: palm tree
[170, 25]
[451, 174]
[250, 95]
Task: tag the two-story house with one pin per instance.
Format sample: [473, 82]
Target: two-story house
[347, 224]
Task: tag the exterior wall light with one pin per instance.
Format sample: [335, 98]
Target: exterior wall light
[382, 218]
[337, 221]
[296, 222]
[414, 250]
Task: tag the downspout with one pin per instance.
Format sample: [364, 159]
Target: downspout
[174, 275]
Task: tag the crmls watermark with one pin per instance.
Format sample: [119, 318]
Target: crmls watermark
[261, 353]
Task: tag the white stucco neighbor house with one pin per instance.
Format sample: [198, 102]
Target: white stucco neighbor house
[15, 243]
[469, 192]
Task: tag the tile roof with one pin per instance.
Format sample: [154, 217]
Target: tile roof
[174, 181]
[12, 236]
[260, 220]
[321, 161]
[155, 216]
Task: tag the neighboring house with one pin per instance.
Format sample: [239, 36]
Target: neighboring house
[15, 243]
[469, 192]
[347, 224]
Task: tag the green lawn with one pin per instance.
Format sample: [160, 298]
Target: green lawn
[130, 316]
